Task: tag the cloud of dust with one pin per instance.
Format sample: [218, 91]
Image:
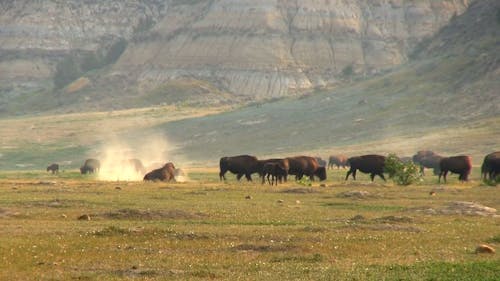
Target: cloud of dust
[116, 157]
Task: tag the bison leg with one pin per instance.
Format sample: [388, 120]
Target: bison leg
[239, 176]
[382, 176]
[222, 175]
[347, 175]
[249, 177]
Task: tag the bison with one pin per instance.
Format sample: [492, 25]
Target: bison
[274, 169]
[427, 159]
[461, 165]
[338, 160]
[371, 163]
[54, 168]
[321, 162]
[240, 165]
[305, 165]
[284, 164]
[90, 166]
[165, 173]
[491, 166]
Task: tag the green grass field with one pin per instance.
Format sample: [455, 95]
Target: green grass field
[206, 229]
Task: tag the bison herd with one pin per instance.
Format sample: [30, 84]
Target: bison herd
[278, 169]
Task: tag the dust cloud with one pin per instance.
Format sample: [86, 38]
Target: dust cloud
[123, 160]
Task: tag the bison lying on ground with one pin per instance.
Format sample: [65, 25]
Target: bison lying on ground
[165, 173]
[461, 165]
[54, 168]
[239, 165]
[491, 166]
[370, 164]
[90, 166]
[338, 160]
[305, 165]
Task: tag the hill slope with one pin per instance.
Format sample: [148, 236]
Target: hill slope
[447, 99]
[135, 53]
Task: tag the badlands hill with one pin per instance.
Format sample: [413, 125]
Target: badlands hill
[443, 93]
[104, 55]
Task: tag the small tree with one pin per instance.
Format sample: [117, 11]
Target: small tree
[401, 173]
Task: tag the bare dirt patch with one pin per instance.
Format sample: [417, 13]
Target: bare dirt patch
[460, 208]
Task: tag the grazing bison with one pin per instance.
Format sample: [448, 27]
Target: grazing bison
[491, 166]
[240, 165]
[461, 165]
[338, 160]
[274, 169]
[90, 166]
[427, 159]
[305, 165]
[371, 163]
[54, 168]
[165, 173]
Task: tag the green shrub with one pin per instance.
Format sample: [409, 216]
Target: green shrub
[401, 173]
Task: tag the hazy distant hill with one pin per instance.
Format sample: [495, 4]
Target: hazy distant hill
[114, 54]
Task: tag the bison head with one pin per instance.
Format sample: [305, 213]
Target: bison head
[321, 173]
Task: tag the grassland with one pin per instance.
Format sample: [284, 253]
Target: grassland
[206, 229]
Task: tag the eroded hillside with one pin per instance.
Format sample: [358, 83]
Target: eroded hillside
[213, 51]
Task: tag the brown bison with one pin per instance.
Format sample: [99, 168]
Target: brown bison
[369, 164]
[284, 164]
[90, 166]
[461, 165]
[54, 168]
[427, 159]
[240, 165]
[338, 160]
[491, 166]
[275, 170]
[165, 173]
[305, 165]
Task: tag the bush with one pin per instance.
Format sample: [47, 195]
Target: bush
[401, 173]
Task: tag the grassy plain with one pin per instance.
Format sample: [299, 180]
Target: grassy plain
[206, 229]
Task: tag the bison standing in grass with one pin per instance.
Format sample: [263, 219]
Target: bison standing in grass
[241, 165]
[54, 168]
[491, 166]
[461, 165]
[337, 160]
[305, 165]
[275, 170]
[90, 166]
[370, 164]
[165, 173]
[283, 163]
[427, 159]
